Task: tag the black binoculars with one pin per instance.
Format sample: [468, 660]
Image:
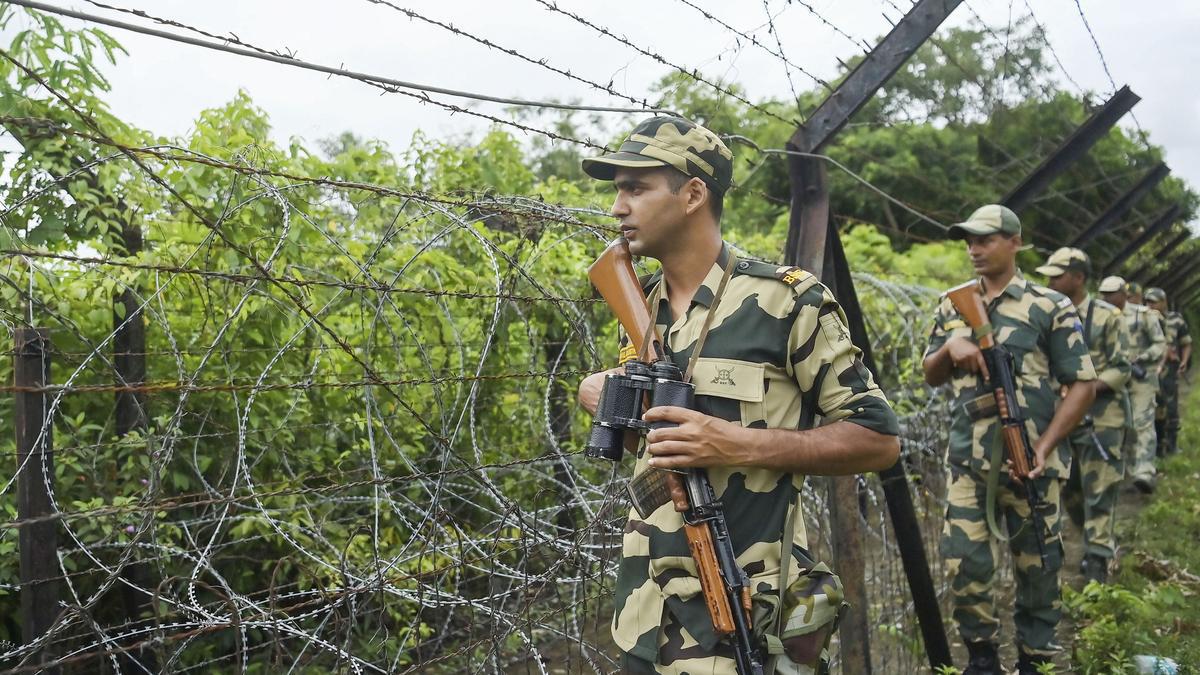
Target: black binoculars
[623, 399]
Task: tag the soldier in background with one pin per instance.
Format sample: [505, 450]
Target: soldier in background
[1147, 347]
[1090, 494]
[1179, 351]
[1133, 293]
[777, 356]
[1040, 328]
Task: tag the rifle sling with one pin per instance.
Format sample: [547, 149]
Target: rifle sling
[656, 295]
[1087, 323]
[993, 482]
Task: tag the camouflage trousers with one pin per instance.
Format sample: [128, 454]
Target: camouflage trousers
[1141, 445]
[1090, 494]
[680, 654]
[1167, 418]
[970, 552]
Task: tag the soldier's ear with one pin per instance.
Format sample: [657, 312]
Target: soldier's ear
[697, 195]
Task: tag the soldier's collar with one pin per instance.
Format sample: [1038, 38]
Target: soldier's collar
[1015, 288]
[708, 288]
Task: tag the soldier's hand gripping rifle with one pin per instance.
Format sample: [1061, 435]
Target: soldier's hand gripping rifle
[649, 379]
[968, 300]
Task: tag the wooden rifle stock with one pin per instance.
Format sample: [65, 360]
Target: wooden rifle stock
[968, 300]
[613, 276]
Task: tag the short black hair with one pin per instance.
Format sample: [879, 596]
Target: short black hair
[676, 179]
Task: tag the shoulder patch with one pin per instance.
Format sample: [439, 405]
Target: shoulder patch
[1042, 291]
[1066, 303]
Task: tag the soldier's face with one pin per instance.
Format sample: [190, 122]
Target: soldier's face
[992, 253]
[651, 215]
[1116, 299]
[1161, 307]
[1067, 283]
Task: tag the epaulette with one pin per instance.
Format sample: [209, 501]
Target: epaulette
[795, 277]
[1061, 301]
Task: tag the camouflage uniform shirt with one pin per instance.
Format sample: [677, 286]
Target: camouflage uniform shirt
[778, 351]
[1176, 330]
[1108, 345]
[1042, 331]
[1147, 344]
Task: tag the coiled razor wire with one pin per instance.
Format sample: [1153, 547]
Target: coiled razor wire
[362, 451]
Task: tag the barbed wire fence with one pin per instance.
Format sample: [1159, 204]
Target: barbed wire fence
[339, 468]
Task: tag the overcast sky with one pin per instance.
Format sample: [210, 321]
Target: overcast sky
[161, 86]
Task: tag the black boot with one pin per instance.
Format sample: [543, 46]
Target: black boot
[1028, 665]
[1094, 568]
[982, 659]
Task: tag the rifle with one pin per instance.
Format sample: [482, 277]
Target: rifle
[725, 585]
[968, 300]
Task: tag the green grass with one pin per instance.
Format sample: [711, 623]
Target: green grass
[1153, 604]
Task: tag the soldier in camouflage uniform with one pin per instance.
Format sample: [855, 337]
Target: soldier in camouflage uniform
[1147, 346]
[1090, 494]
[1041, 330]
[777, 355]
[1179, 351]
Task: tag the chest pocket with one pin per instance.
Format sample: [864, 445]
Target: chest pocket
[730, 389]
[1022, 344]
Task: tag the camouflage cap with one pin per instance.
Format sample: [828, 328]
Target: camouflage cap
[1112, 284]
[1155, 294]
[670, 141]
[1133, 288]
[1064, 259]
[987, 220]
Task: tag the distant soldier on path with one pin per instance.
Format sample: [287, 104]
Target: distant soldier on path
[1090, 494]
[1147, 347]
[1040, 328]
[1179, 351]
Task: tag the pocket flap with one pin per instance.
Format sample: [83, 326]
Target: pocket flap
[727, 378]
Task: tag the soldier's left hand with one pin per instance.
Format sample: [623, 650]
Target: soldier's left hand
[1040, 453]
[699, 441]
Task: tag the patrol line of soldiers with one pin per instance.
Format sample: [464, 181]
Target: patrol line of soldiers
[769, 353]
[1089, 374]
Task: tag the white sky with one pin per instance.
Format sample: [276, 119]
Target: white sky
[161, 86]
